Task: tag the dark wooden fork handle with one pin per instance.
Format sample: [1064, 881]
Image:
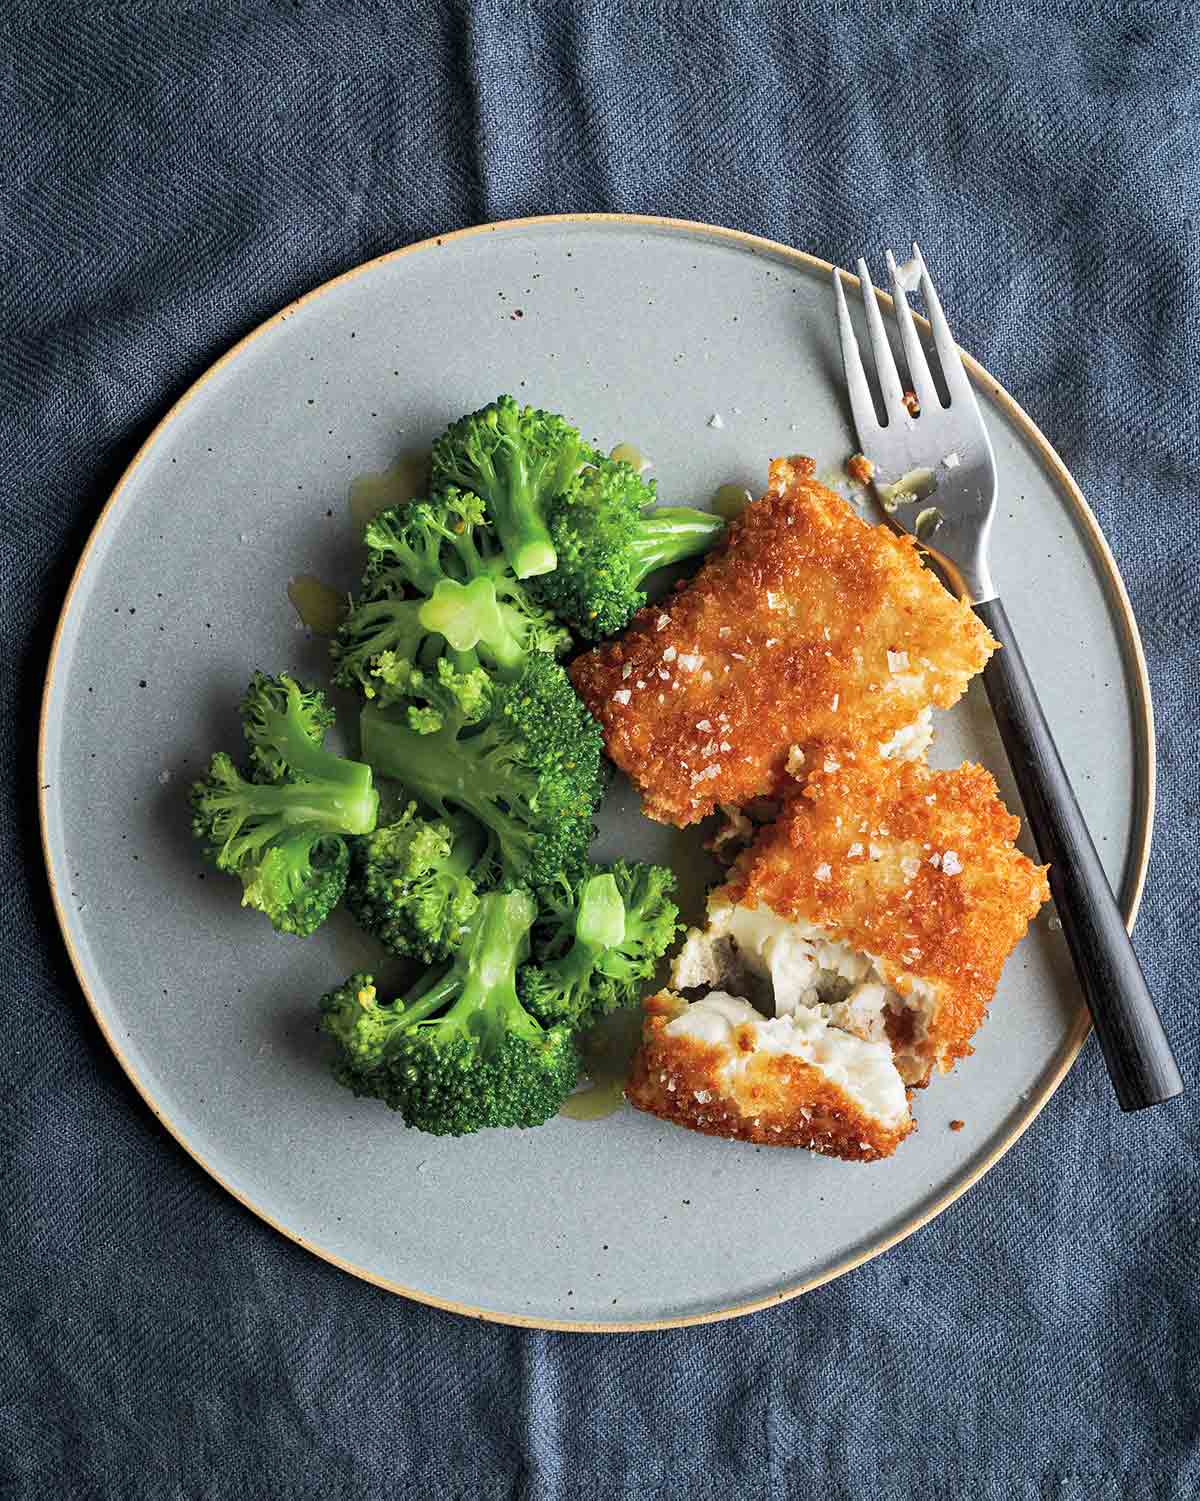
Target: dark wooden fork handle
[1136, 1050]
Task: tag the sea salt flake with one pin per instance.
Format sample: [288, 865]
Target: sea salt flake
[832, 765]
[823, 872]
[716, 420]
[622, 696]
[834, 703]
[951, 864]
[670, 654]
[627, 671]
[897, 661]
[662, 622]
[874, 852]
[855, 850]
[703, 724]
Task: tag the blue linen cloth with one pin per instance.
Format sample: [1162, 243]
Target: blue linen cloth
[173, 172]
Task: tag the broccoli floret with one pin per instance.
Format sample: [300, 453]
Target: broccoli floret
[529, 771]
[516, 459]
[461, 1053]
[438, 583]
[284, 831]
[411, 883]
[599, 941]
[608, 543]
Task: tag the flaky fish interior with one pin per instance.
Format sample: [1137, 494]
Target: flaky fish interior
[717, 1065]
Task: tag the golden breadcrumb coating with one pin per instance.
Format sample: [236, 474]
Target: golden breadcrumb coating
[804, 625]
[916, 868]
[776, 1099]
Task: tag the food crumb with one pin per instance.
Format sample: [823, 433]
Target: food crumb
[860, 469]
[911, 405]
[957, 1125]
[716, 420]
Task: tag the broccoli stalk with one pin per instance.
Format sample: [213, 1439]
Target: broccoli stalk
[608, 543]
[284, 831]
[516, 459]
[528, 771]
[412, 884]
[461, 1053]
[437, 585]
[598, 941]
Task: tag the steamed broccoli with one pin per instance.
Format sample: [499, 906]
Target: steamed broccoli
[599, 940]
[607, 543]
[528, 770]
[461, 1052]
[284, 831]
[411, 883]
[436, 582]
[516, 459]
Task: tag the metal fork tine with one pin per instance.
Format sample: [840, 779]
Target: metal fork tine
[885, 364]
[949, 355]
[862, 403]
[914, 354]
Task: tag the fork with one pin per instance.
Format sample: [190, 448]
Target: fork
[946, 499]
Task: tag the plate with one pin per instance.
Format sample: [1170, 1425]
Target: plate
[646, 331]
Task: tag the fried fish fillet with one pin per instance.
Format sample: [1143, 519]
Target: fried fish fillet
[721, 1067]
[888, 897]
[804, 626]
[873, 919]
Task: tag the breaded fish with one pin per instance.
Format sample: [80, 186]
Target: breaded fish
[888, 896]
[721, 1067]
[873, 919]
[805, 626]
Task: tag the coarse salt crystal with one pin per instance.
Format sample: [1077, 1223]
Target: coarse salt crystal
[833, 705]
[664, 674]
[725, 745]
[774, 602]
[854, 850]
[935, 859]
[874, 852]
[823, 872]
[897, 661]
[622, 696]
[627, 671]
[703, 724]
[670, 654]
[832, 765]
[772, 640]
[641, 683]
[662, 622]
[951, 864]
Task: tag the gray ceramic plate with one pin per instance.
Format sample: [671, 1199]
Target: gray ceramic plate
[641, 329]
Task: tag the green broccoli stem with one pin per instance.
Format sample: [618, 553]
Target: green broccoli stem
[331, 808]
[489, 1008]
[286, 733]
[670, 534]
[438, 769]
[469, 615]
[600, 923]
[599, 926]
[514, 503]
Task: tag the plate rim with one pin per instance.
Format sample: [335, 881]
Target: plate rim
[1129, 899]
